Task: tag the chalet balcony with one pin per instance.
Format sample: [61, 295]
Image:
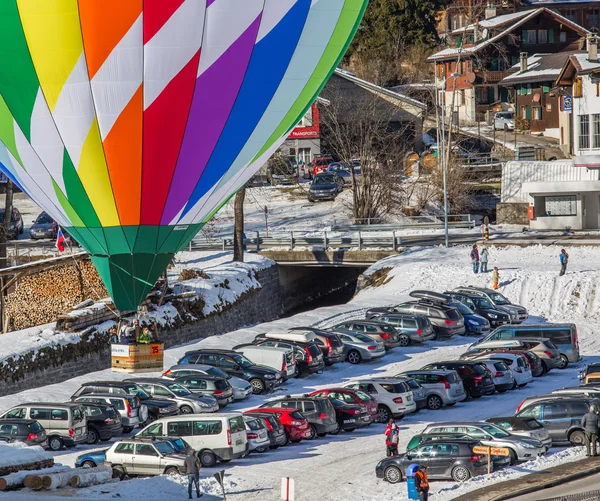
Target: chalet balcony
[489, 76]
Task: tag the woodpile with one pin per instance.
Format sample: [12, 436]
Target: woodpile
[57, 477]
[39, 298]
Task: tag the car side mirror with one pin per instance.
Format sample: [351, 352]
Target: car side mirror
[408, 455]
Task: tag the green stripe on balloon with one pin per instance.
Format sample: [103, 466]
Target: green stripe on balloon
[7, 130]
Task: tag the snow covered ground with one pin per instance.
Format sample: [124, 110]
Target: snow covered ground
[342, 467]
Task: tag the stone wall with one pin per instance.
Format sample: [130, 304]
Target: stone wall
[92, 353]
[512, 213]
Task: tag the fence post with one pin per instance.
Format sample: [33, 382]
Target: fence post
[368, 221]
[291, 240]
[223, 245]
[325, 239]
[190, 249]
[257, 241]
[394, 244]
[359, 240]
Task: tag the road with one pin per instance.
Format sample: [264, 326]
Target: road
[579, 486]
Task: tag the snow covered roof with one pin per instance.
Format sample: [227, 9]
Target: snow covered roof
[540, 67]
[578, 63]
[583, 64]
[493, 22]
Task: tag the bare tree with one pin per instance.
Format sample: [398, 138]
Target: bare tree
[238, 231]
[5, 227]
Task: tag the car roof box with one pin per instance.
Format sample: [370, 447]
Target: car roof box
[294, 336]
[434, 297]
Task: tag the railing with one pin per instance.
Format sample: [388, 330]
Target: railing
[490, 76]
[422, 222]
[583, 496]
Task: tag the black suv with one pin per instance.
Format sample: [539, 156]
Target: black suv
[329, 343]
[476, 378]
[481, 306]
[103, 421]
[261, 378]
[309, 358]
[518, 314]
[156, 408]
[320, 412]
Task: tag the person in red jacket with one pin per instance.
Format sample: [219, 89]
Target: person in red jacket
[392, 437]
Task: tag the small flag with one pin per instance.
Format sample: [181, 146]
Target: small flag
[60, 241]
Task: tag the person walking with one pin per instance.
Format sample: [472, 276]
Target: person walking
[392, 437]
[495, 278]
[192, 467]
[590, 423]
[484, 260]
[564, 260]
[422, 483]
[475, 258]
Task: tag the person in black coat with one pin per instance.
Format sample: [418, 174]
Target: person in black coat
[590, 422]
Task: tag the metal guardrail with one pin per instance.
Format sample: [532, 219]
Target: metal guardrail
[583, 496]
[422, 222]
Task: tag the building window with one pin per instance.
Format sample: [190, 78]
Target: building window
[542, 36]
[594, 18]
[530, 37]
[577, 88]
[548, 106]
[561, 206]
[584, 132]
[571, 15]
[537, 113]
[529, 89]
[596, 130]
[563, 36]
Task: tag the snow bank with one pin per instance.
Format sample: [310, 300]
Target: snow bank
[19, 453]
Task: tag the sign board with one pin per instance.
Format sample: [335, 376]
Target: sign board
[287, 489]
[155, 350]
[119, 350]
[494, 451]
[567, 104]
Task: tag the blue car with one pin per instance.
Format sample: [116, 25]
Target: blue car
[342, 169]
[476, 325]
[91, 459]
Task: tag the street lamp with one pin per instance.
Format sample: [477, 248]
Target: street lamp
[444, 163]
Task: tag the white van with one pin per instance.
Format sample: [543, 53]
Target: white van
[294, 336]
[280, 359]
[214, 437]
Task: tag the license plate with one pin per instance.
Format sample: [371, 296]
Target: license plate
[78, 431]
[408, 399]
[239, 441]
[350, 421]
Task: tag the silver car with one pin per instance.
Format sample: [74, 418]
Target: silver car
[520, 448]
[504, 120]
[257, 434]
[188, 402]
[144, 457]
[241, 388]
[502, 376]
[524, 427]
[360, 347]
[377, 331]
[441, 387]
[133, 412]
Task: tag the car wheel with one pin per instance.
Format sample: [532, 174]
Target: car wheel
[262, 449]
[544, 368]
[460, 474]
[514, 386]
[127, 429]
[577, 438]
[354, 357]
[313, 432]
[564, 361]
[258, 386]
[404, 340]
[207, 458]
[434, 402]
[383, 414]
[186, 409]
[93, 436]
[505, 127]
[513, 457]
[88, 464]
[171, 471]
[287, 440]
[392, 474]
[118, 472]
[336, 431]
[55, 444]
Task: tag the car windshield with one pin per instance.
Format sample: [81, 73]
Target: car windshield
[363, 396]
[164, 448]
[253, 424]
[43, 218]
[242, 360]
[362, 337]
[215, 371]
[463, 308]
[179, 390]
[221, 384]
[413, 384]
[498, 298]
[494, 431]
[320, 180]
[533, 424]
[136, 391]
[296, 415]
[483, 304]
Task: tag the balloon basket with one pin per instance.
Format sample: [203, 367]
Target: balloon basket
[136, 358]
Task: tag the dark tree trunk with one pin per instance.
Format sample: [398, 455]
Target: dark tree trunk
[5, 228]
[238, 230]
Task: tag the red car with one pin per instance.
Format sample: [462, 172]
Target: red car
[320, 164]
[294, 423]
[350, 396]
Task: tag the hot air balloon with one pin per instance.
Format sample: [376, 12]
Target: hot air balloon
[131, 122]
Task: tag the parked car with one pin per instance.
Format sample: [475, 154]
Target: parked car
[103, 422]
[325, 186]
[412, 328]
[214, 437]
[91, 459]
[27, 431]
[349, 416]
[481, 307]
[350, 396]
[518, 314]
[442, 387]
[133, 413]
[329, 343]
[521, 449]
[559, 414]
[144, 457]
[155, 408]
[419, 395]
[43, 227]
[257, 435]
[280, 170]
[65, 423]
[241, 388]
[502, 376]
[475, 324]
[260, 377]
[589, 390]
[476, 378]
[524, 427]
[504, 120]
[342, 169]
[320, 164]
[518, 365]
[276, 431]
[294, 423]
[187, 402]
[359, 347]
[309, 357]
[377, 331]
[16, 223]
[591, 371]
[319, 412]
[452, 459]
[213, 386]
[277, 358]
[394, 398]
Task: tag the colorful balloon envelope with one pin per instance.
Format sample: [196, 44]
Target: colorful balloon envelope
[131, 122]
